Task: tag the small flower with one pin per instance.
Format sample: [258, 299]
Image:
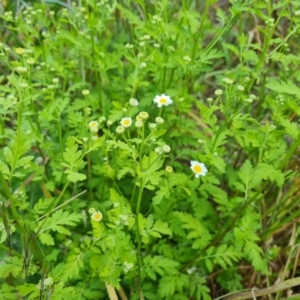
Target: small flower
[120, 129]
[48, 281]
[209, 100]
[166, 148]
[20, 51]
[30, 61]
[85, 92]
[109, 122]
[126, 122]
[55, 80]
[128, 266]
[252, 96]
[249, 100]
[92, 210]
[143, 115]
[102, 119]
[159, 120]
[198, 168]
[21, 70]
[163, 100]
[138, 124]
[138, 118]
[128, 46]
[133, 102]
[158, 150]
[142, 44]
[187, 58]
[218, 92]
[143, 65]
[97, 216]
[23, 85]
[156, 45]
[93, 126]
[169, 169]
[85, 139]
[227, 81]
[152, 125]
[147, 37]
[240, 88]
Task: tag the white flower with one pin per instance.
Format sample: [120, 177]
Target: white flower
[240, 88]
[126, 122]
[97, 216]
[166, 148]
[120, 129]
[163, 100]
[92, 210]
[152, 125]
[218, 92]
[143, 115]
[133, 102]
[198, 168]
[30, 61]
[138, 124]
[143, 65]
[93, 126]
[159, 120]
[85, 92]
[187, 58]
[169, 169]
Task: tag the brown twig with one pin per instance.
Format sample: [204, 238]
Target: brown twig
[262, 292]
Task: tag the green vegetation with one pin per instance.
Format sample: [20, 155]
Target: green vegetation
[149, 149]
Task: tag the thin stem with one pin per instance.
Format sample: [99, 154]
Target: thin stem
[52, 209]
[139, 259]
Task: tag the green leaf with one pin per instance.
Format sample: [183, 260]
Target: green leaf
[265, 171]
[46, 239]
[160, 265]
[75, 176]
[246, 173]
[169, 284]
[12, 266]
[7, 292]
[56, 222]
[27, 289]
[284, 87]
[291, 128]
[72, 155]
[196, 230]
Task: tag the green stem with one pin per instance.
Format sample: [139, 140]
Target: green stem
[139, 259]
[52, 208]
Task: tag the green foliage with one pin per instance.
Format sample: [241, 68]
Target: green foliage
[103, 107]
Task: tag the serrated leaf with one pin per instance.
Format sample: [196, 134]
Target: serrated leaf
[284, 87]
[12, 266]
[75, 176]
[46, 239]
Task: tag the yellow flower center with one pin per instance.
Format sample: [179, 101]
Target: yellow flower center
[97, 216]
[163, 100]
[197, 169]
[126, 122]
[93, 124]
